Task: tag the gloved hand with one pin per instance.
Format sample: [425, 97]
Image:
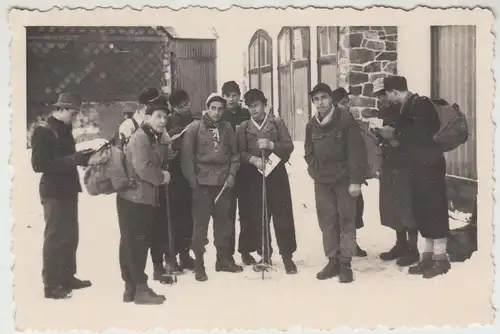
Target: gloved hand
[354, 189]
[264, 143]
[230, 181]
[81, 158]
[166, 177]
[257, 162]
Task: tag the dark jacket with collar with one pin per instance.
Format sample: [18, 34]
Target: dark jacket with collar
[335, 152]
[176, 123]
[53, 155]
[236, 116]
[393, 157]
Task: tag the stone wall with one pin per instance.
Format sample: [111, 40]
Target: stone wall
[365, 54]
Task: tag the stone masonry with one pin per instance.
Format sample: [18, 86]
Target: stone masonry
[365, 54]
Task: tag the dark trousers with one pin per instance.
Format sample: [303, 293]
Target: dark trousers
[279, 208]
[395, 203]
[60, 240]
[336, 210]
[181, 203]
[360, 208]
[159, 229]
[239, 199]
[204, 208]
[136, 221]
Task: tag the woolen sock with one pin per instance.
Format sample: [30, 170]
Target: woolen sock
[440, 249]
[412, 238]
[429, 245]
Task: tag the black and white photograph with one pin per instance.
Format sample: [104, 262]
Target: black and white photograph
[252, 168]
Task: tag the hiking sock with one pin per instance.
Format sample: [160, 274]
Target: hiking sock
[429, 245]
[440, 249]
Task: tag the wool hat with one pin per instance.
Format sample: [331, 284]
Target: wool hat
[148, 94]
[69, 100]
[338, 94]
[230, 87]
[321, 87]
[395, 83]
[215, 97]
[177, 97]
[254, 95]
[378, 87]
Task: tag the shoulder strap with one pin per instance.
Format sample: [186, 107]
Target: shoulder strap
[136, 125]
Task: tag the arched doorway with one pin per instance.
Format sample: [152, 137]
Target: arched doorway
[294, 79]
[260, 63]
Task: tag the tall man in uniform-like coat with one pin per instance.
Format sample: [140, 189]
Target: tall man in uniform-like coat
[53, 155]
[336, 157]
[266, 133]
[235, 115]
[414, 131]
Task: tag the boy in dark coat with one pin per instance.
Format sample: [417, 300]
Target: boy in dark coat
[414, 131]
[209, 161]
[336, 157]
[395, 194]
[53, 155]
[264, 132]
[235, 115]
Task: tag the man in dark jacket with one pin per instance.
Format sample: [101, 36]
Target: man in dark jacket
[235, 115]
[414, 131]
[179, 189]
[53, 155]
[336, 157]
[267, 134]
[209, 162]
[395, 194]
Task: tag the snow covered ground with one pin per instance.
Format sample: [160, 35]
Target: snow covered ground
[382, 294]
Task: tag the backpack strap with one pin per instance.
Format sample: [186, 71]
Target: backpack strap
[136, 125]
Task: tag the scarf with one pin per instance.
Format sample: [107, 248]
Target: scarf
[212, 126]
[261, 125]
[327, 118]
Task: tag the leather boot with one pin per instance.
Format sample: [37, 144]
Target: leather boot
[76, 284]
[438, 267]
[424, 264]
[346, 275]
[199, 268]
[128, 294]
[248, 259]
[225, 263]
[331, 270]
[290, 266]
[145, 296]
[411, 256]
[57, 292]
[186, 261]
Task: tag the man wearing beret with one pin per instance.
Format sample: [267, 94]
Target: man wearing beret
[235, 115]
[336, 157]
[265, 133]
[54, 156]
[209, 162]
[414, 131]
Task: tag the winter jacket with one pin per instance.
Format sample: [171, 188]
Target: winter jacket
[53, 155]
[393, 157]
[175, 124]
[335, 152]
[206, 160]
[274, 129]
[236, 116]
[144, 156]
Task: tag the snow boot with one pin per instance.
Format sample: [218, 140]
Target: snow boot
[411, 256]
[199, 268]
[439, 267]
[76, 284]
[331, 270]
[160, 275]
[360, 252]
[290, 266]
[248, 259]
[424, 264]
[174, 266]
[128, 294]
[58, 292]
[399, 249]
[346, 275]
[146, 296]
[186, 261]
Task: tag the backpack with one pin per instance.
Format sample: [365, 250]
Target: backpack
[106, 172]
[454, 129]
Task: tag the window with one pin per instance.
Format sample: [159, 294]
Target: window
[253, 55]
[328, 41]
[300, 43]
[284, 48]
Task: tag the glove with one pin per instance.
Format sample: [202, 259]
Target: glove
[166, 177]
[265, 144]
[355, 190]
[230, 181]
[257, 162]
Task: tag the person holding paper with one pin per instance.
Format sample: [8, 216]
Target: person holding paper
[209, 162]
[336, 158]
[179, 189]
[268, 134]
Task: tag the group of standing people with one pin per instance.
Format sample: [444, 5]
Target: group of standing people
[189, 167]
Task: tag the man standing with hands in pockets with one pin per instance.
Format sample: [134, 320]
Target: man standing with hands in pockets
[336, 157]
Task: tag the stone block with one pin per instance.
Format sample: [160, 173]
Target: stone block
[353, 67]
[375, 76]
[374, 66]
[358, 28]
[391, 67]
[391, 30]
[361, 56]
[392, 56]
[363, 102]
[393, 38]
[368, 89]
[355, 90]
[353, 40]
[391, 45]
[381, 33]
[356, 78]
[369, 112]
[370, 34]
[375, 45]
[378, 28]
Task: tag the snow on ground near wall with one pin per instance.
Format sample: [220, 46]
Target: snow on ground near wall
[382, 294]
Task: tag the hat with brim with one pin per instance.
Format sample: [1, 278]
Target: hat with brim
[338, 94]
[69, 100]
[160, 103]
[147, 95]
[320, 88]
[215, 97]
[378, 87]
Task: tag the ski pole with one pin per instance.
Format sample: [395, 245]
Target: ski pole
[171, 277]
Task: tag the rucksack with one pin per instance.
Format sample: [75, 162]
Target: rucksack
[106, 172]
[454, 129]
